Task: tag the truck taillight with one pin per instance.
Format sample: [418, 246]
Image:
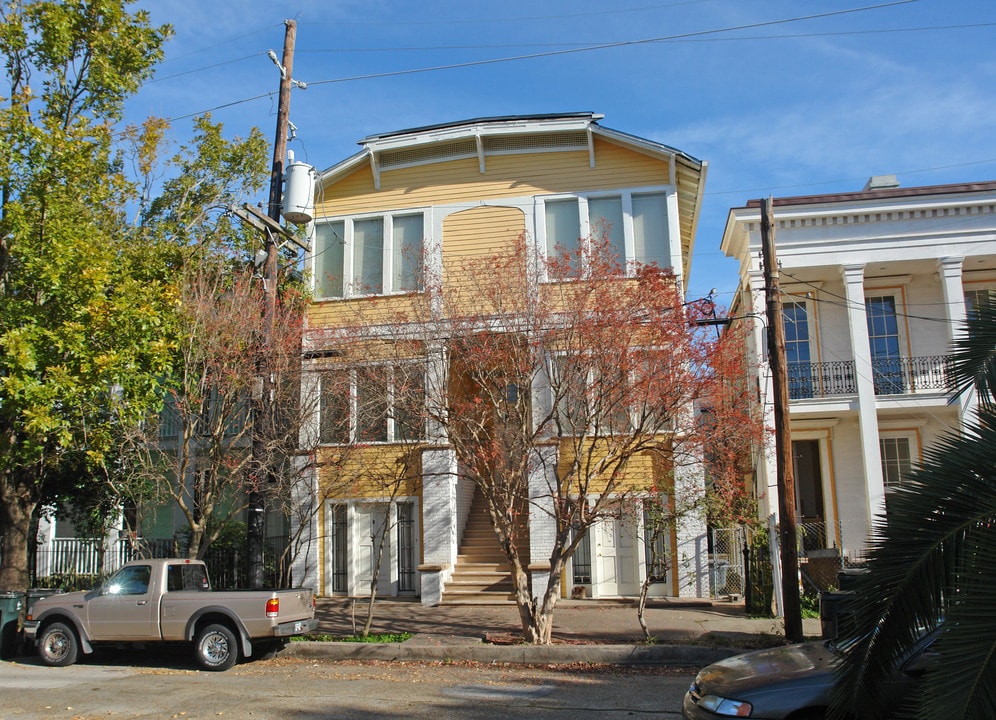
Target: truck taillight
[272, 607]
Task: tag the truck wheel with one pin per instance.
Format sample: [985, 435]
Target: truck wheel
[58, 646]
[216, 648]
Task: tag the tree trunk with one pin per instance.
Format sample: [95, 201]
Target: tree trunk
[644, 589]
[16, 506]
[536, 614]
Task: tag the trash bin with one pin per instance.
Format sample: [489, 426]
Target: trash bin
[849, 577]
[10, 613]
[834, 615]
[35, 594]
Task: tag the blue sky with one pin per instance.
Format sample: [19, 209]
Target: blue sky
[781, 97]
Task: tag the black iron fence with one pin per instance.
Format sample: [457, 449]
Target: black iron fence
[78, 563]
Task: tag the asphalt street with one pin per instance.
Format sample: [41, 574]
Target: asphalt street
[133, 685]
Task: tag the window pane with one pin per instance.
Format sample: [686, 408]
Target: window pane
[407, 252]
[563, 230]
[883, 341]
[650, 244]
[329, 247]
[368, 256]
[409, 402]
[334, 408]
[605, 220]
[371, 404]
[896, 460]
[569, 387]
[797, 350]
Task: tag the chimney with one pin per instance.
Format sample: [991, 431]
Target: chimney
[881, 182]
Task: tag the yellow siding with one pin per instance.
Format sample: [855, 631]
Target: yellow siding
[640, 474]
[370, 471]
[506, 176]
[375, 310]
[470, 239]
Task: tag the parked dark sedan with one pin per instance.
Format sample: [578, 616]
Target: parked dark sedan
[791, 682]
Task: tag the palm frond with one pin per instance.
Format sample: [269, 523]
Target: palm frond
[933, 555]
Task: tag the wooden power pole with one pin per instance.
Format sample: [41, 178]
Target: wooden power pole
[262, 406]
[783, 437]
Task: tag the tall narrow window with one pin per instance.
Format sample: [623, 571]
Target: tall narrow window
[406, 547]
[797, 356]
[330, 247]
[337, 553]
[605, 225]
[408, 390]
[368, 256]
[883, 339]
[897, 460]
[372, 403]
[406, 251]
[563, 233]
[975, 298]
[333, 411]
[581, 560]
[650, 244]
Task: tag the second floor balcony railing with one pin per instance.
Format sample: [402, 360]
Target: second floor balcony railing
[819, 380]
[891, 376]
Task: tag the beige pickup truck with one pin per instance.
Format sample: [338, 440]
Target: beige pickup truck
[167, 600]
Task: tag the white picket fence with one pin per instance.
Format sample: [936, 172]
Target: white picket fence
[76, 556]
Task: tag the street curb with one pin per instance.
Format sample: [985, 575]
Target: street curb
[689, 655]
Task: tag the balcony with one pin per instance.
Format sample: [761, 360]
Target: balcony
[821, 380]
[891, 376]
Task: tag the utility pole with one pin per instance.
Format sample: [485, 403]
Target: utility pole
[263, 405]
[783, 437]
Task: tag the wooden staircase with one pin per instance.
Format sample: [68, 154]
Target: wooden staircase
[482, 573]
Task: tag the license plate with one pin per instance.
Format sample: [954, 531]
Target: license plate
[300, 626]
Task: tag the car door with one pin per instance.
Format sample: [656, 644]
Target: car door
[124, 608]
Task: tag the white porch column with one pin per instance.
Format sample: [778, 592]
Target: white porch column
[871, 459]
[542, 523]
[950, 271]
[767, 475]
[304, 535]
[692, 551]
[305, 509]
[439, 521]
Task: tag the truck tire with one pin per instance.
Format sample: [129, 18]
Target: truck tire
[58, 646]
[216, 647]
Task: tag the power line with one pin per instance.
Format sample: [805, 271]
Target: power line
[611, 45]
[568, 51]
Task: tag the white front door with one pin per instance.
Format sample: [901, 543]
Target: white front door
[616, 550]
[368, 522]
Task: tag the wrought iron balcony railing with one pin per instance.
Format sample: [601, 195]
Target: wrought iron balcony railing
[820, 380]
[891, 376]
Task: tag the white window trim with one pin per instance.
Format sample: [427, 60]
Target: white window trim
[353, 400]
[914, 440]
[392, 574]
[387, 217]
[629, 242]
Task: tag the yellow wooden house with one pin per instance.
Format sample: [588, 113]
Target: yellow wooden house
[405, 208]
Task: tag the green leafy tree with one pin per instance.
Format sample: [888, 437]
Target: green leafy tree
[934, 555]
[81, 299]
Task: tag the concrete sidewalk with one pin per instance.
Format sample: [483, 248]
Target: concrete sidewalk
[686, 632]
